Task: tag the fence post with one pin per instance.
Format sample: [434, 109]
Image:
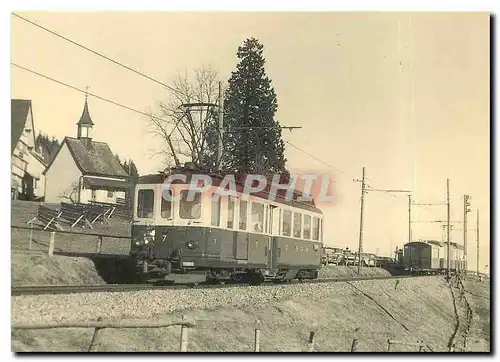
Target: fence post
[31, 235]
[421, 347]
[95, 338]
[256, 345]
[311, 337]
[51, 243]
[184, 335]
[388, 345]
[354, 345]
[99, 244]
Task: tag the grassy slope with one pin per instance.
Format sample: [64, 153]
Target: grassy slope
[478, 296]
[423, 306]
[24, 211]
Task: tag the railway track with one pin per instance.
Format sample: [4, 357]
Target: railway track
[114, 288]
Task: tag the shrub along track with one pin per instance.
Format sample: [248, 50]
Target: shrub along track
[68, 289]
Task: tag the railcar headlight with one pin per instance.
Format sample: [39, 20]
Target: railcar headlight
[191, 244]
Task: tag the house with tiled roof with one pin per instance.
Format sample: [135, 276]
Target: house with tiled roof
[84, 170]
[27, 165]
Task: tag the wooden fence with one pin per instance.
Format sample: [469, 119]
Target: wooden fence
[186, 324]
[52, 239]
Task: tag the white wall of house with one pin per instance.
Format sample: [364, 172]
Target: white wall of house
[101, 196]
[35, 168]
[21, 157]
[62, 177]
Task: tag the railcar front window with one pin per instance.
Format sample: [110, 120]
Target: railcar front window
[230, 212]
[145, 203]
[315, 228]
[307, 227]
[297, 225]
[257, 217]
[243, 215]
[166, 204]
[190, 205]
[287, 223]
[216, 203]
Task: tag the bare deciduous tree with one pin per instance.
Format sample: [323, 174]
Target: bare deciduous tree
[187, 120]
[71, 192]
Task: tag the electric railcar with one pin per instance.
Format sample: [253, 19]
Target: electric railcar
[230, 238]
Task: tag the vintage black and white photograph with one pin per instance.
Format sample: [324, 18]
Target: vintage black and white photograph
[243, 181]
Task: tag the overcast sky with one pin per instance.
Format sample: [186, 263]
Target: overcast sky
[406, 96]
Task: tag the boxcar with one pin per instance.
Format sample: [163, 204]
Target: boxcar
[226, 238]
[431, 256]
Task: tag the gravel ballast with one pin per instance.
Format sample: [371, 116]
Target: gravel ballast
[148, 304]
[419, 308]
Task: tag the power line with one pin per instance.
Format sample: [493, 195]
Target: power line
[312, 156]
[97, 53]
[94, 95]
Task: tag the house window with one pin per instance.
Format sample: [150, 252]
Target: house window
[287, 223]
[145, 203]
[94, 195]
[35, 183]
[190, 207]
[110, 194]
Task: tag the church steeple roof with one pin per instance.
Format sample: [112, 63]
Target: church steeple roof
[85, 118]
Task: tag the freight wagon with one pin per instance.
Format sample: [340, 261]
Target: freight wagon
[430, 257]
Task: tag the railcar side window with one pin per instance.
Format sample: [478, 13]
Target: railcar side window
[190, 205]
[243, 215]
[287, 223]
[145, 203]
[315, 228]
[257, 217]
[216, 204]
[166, 204]
[307, 227]
[297, 225]
[230, 212]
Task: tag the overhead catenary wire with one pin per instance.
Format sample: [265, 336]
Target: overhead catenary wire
[97, 53]
[312, 156]
[93, 95]
[136, 72]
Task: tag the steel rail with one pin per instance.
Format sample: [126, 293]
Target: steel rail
[114, 288]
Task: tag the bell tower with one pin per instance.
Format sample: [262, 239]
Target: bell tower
[85, 125]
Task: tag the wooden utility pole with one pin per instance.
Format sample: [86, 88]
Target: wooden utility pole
[360, 246]
[409, 218]
[448, 228]
[466, 210]
[477, 239]
[221, 127]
